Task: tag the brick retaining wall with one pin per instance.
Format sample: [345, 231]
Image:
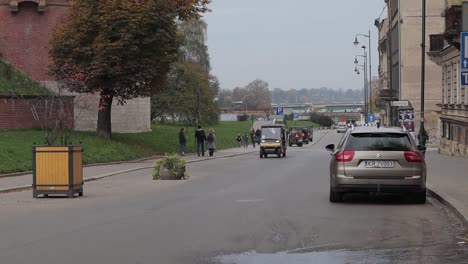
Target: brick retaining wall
[36, 112]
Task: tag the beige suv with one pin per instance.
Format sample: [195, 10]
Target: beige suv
[377, 160]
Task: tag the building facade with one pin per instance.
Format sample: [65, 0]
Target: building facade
[25, 30]
[400, 60]
[445, 52]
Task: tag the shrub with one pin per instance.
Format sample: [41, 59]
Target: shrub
[321, 119]
[241, 118]
[171, 162]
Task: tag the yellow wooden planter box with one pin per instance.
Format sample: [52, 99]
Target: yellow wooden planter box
[57, 170]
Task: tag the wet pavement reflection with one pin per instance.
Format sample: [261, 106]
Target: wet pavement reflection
[389, 256]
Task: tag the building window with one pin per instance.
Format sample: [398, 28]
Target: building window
[444, 135]
[444, 86]
[452, 132]
[459, 134]
[448, 82]
[451, 87]
[447, 130]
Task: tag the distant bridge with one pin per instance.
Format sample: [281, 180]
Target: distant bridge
[336, 116]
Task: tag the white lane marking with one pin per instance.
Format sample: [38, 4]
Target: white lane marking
[250, 201]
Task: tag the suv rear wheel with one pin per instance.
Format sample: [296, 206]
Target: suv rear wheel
[419, 197]
[335, 197]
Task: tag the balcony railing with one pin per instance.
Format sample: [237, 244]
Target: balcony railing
[388, 94]
[437, 42]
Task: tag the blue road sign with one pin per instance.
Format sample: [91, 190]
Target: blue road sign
[464, 50]
[464, 78]
[279, 111]
[296, 116]
[371, 118]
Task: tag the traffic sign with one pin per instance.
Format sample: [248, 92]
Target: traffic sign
[280, 111]
[400, 103]
[296, 116]
[464, 50]
[371, 118]
[464, 78]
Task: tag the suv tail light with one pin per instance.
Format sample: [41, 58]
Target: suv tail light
[412, 156]
[345, 156]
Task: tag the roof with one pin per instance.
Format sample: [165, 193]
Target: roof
[374, 129]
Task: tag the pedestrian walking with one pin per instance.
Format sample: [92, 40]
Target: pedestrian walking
[258, 135]
[246, 140]
[252, 136]
[200, 137]
[423, 137]
[239, 140]
[211, 142]
[182, 142]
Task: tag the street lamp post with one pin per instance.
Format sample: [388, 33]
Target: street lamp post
[422, 130]
[356, 42]
[366, 83]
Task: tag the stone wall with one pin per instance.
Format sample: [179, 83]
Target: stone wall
[411, 60]
[134, 116]
[453, 148]
[25, 32]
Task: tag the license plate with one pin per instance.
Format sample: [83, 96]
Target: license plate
[379, 164]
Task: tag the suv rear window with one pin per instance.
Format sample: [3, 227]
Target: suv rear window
[378, 142]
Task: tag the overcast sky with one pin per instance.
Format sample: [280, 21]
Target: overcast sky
[290, 43]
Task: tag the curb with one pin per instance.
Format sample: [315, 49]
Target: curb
[107, 175]
[459, 209]
[22, 173]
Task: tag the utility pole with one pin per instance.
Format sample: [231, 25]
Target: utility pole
[370, 74]
[423, 69]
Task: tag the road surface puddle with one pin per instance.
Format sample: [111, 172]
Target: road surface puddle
[329, 257]
[435, 254]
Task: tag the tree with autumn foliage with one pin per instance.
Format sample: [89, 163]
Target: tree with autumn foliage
[119, 49]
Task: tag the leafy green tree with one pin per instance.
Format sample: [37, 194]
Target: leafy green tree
[188, 82]
[192, 90]
[120, 49]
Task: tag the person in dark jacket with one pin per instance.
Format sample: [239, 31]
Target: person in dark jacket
[252, 137]
[239, 140]
[423, 137]
[258, 135]
[182, 141]
[200, 137]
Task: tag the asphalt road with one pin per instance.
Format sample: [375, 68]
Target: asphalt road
[242, 210]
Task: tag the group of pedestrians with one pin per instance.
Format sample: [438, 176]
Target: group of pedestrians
[209, 140]
[254, 136]
[201, 139]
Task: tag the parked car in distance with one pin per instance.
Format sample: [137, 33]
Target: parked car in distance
[295, 136]
[342, 127]
[308, 134]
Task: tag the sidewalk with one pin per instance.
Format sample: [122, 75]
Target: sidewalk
[447, 179]
[100, 171]
[106, 170]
